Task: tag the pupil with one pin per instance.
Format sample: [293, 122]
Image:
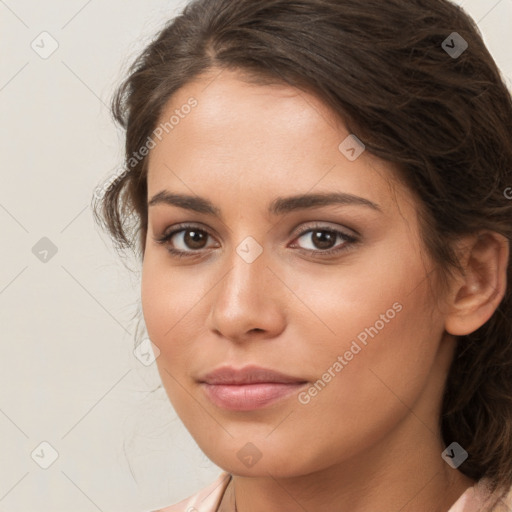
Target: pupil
[323, 239]
[193, 239]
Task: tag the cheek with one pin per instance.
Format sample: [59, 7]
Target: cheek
[170, 301]
[162, 313]
[383, 334]
[385, 367]
[153, 296]
[380, 359]
[159, 305]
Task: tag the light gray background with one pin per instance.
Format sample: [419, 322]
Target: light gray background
[68, 375]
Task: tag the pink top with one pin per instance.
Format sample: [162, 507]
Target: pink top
[474, 499]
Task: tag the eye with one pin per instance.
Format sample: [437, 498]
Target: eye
[322, 240]
[188, 238]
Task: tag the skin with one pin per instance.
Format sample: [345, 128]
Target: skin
[370, 439]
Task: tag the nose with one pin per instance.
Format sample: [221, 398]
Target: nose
[248, 301]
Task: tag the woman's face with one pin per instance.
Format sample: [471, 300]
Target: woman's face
[333, 293]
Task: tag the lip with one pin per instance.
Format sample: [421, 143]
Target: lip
[252, 374]
[249, 388]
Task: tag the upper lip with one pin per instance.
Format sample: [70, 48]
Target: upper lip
[228, 375]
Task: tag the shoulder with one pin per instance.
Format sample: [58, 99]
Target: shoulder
[504, 502]
[479, 498]
[205, 500]
[499, 501]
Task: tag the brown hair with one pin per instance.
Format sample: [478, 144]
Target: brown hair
[444, 120]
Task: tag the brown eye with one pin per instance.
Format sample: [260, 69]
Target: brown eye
[194, 238]
[184, 240]
[322, 240]
[187, 239]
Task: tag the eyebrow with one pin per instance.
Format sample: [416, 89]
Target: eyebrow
[279, 206]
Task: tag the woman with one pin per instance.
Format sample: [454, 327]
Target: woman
[316, 189]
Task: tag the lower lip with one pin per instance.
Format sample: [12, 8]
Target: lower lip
[249, 397]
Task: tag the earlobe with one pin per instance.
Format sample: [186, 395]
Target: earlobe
[477, 293]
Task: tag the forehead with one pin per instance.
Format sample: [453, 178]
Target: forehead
[228, 105]
[258, 137]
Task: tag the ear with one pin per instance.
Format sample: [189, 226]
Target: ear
[475, 295]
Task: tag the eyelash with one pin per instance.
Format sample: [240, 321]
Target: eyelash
[348, 239]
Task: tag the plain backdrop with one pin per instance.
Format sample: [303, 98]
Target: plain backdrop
[80, 426]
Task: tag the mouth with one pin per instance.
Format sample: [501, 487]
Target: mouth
[249, 388]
